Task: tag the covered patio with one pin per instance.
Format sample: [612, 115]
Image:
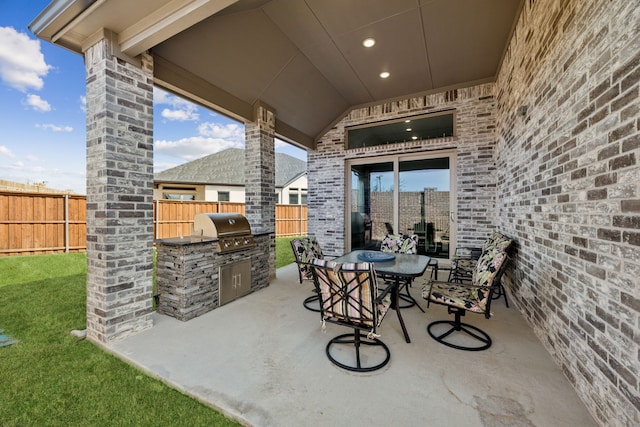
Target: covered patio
[261, 360]
[544, 100]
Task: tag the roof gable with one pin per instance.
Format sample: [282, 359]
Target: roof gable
[227, 168]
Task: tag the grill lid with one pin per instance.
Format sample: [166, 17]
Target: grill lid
[217, 225]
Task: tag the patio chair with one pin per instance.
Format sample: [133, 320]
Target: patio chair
[305, 250]
[499, 241]
[389, 227]
[464, 262]
[403, 244]
[349, 297]
[475, 297]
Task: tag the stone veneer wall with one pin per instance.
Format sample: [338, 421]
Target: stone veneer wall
[119, 194]
[569, 191]
[474, 144]
[188, 278]
[260, 178]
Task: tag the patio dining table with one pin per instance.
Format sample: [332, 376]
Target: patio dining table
[401, 266]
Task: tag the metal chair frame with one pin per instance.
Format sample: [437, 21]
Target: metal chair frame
[406, 296]
[456, 325]
[461, 273]
[349, 297]
[302, 260]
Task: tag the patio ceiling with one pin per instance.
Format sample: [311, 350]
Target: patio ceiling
[303, 58]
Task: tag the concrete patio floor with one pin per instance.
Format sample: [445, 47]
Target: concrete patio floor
[261, 360]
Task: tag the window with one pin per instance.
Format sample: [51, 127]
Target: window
[223, 196]
[436, 125]
[170, 196]
[293, 198]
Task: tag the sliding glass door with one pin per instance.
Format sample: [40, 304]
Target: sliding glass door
[425, 203]
[403, 194]
[371, 203]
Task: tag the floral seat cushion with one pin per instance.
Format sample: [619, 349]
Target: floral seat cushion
[496, 241]
[306, 250]
[469, 297]
[456, 295]
[400, 243]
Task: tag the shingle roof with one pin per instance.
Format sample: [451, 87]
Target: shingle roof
[227, 167]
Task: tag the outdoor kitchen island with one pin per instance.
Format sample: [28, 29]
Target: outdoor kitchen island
[196, 274]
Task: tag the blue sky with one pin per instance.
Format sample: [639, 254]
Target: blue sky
[42, 116]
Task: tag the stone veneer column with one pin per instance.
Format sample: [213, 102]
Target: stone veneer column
[260, 177]
[119, 194]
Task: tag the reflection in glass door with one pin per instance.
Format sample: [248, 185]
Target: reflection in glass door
[409, 195]
[371, 204]
[424, 203]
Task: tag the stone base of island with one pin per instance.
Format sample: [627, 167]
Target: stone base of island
[193, 277]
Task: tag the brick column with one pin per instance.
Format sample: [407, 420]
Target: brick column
[260, 177]
[119, 194]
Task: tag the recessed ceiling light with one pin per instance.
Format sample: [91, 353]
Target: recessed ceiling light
[384, 75]
[408, 129]
[414, 137]
[368, 42]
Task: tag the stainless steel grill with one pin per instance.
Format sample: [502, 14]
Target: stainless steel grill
[231, 229]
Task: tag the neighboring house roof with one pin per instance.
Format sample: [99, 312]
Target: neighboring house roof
[227, 168]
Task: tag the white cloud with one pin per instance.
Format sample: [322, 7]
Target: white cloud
[37, 103]
[229, 131]
[161, 97]
[55, 128]
[194, 147]
[53, 177]
[278, 143]
[4, 151]
[32, 158]
[22, 64]
[182, 110]
[181, 115]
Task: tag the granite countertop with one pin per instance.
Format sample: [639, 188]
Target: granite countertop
[192, 240]
[186, 240]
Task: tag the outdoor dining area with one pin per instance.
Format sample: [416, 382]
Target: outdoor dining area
[512, 116]
[287, 360]
[261, 360]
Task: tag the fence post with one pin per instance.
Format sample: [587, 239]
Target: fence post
[157, 219]
[66, 223]
[300, 220]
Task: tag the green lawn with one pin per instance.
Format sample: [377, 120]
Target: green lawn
[284, 253]
[51, 378]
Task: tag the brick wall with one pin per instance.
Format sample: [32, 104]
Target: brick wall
[549, 154]
[475, 165]
[569, 186]
[119, 194]
[260, 180]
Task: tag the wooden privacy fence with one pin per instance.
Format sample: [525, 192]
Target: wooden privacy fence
[36, 223]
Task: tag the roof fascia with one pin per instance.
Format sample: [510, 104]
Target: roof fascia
[167, 21]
